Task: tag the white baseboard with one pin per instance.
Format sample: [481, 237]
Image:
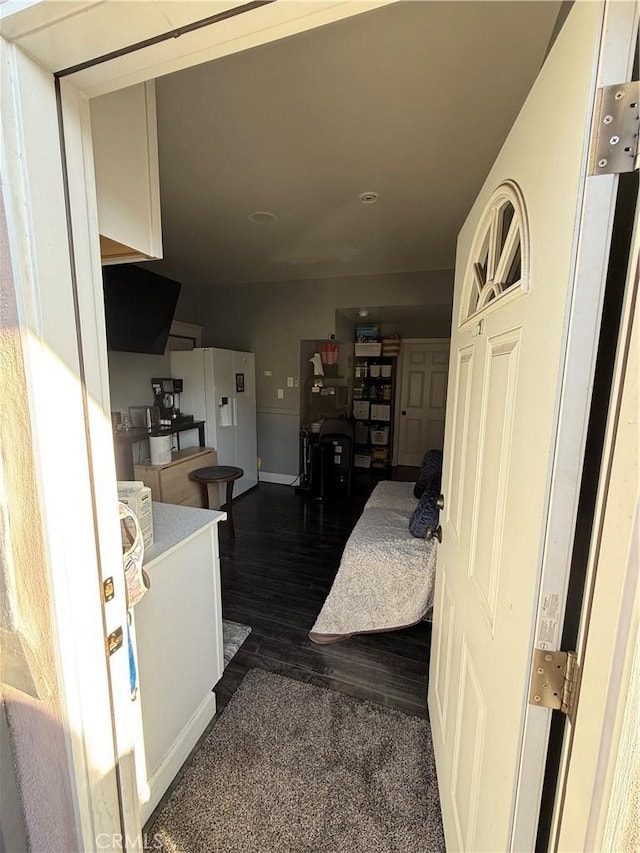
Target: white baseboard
[164, 775]
[282, 479]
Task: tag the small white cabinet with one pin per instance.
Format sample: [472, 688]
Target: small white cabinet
[125, 152]
[178, 636]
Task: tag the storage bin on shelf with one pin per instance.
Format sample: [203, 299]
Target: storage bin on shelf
[391, 345]
[380, 457]
[361, 409]
[380, 412]
[362, 460]
[369, 349]
[380, 435]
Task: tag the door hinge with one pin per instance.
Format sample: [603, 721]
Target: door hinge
[615, 131]
[554, 680]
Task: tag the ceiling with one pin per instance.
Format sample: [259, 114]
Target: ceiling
[410, 321]
[411, 101]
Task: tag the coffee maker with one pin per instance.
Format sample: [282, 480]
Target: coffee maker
[166, 396]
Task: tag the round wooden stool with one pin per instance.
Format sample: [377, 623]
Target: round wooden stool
[220, 474]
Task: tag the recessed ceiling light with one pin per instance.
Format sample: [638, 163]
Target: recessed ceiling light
[263, 217]
[368, 197]
[362, 312]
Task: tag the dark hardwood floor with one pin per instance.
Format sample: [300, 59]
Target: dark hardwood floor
[275, 577]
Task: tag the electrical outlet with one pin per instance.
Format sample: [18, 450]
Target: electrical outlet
[296, 381]
[289, 381]
[268, 373]
[280, 393]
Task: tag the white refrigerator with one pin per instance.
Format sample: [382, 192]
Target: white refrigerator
[220, 389]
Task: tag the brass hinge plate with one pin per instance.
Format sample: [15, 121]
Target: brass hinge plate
[554, 680]
[108, 589]
[616, 128]
[115, 640]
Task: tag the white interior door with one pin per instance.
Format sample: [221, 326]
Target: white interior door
[423, 395]
[529, 278]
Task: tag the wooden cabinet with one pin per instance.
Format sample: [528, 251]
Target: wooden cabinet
[125, 153]
[170, 483]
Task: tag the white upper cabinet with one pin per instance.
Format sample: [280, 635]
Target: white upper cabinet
[125, 147]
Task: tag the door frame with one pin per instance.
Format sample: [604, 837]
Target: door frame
[32, 251]
[587, 800]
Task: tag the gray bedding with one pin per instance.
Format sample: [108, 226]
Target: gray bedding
[386, 576]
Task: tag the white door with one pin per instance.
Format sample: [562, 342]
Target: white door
[423, 395]
[529, 278]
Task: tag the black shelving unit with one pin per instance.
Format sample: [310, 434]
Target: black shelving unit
[372, 410]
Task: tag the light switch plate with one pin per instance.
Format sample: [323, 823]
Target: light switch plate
[280, 393]
[289, 381]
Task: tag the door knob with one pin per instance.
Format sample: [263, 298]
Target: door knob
[434, 534]
[440, 502]
[403, 412]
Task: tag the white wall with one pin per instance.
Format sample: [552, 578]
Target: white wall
[130, 378]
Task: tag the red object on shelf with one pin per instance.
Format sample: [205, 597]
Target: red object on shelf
[329, 352]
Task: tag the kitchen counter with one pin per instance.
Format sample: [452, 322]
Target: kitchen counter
[130, 436]
[174, 526]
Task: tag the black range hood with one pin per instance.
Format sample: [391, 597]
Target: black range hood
[139, 307]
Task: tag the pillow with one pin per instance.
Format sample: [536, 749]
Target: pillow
[425, 515]
[431, 463]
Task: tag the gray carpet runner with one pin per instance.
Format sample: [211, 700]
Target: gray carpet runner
[291, 767]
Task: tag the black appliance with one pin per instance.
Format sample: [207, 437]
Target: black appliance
[139, 306]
